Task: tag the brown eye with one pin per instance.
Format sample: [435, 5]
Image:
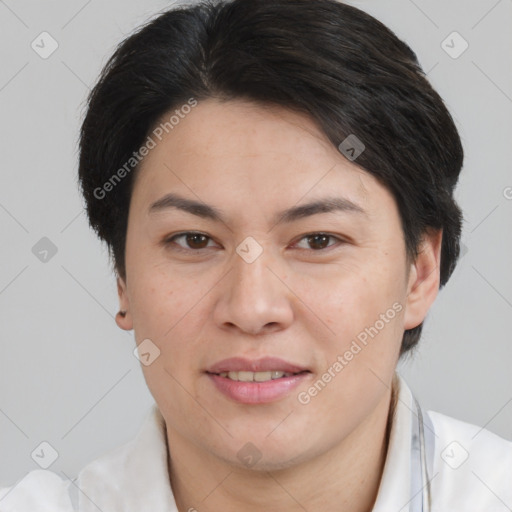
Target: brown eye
[193, 241]
[196, 241]
[319, 241]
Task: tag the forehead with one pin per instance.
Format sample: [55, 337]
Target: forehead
[238, 150]
[224, 131]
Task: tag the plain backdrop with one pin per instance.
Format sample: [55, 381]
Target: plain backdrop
[68, 375]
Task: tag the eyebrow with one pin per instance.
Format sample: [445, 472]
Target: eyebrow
[205, 211]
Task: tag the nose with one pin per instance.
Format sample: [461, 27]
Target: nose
[253, 297]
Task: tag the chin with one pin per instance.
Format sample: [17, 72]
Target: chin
[264, 460]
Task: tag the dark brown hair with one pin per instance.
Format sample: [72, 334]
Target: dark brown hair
[333, 62]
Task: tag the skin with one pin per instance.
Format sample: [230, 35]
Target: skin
[302, 300]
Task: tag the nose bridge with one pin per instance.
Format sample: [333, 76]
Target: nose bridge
[253, 296]
[251, 277]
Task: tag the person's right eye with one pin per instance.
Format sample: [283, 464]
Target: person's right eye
[192, 239]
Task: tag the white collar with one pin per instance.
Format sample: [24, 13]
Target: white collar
[134, 476]
[395, 485]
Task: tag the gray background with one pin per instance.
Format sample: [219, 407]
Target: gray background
[68, 375]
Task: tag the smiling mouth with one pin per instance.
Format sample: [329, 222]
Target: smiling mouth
[246, 376]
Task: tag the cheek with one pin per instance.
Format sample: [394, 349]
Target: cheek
[363, 295]
[159, 300]
[170, 311]
[167, 310]
[365, 313]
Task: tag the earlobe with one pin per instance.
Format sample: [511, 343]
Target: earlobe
[123, 318]
[424, 279]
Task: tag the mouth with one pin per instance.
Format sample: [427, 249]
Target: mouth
[256, 381]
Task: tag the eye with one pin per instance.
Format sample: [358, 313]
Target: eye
[194, 241]
[319, 240]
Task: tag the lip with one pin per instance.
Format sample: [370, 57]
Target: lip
[265, 364]
[256, 392]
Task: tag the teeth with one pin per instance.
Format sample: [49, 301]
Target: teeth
[255, 376]
[243, 376]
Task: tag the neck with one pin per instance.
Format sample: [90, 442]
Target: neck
[345, 477]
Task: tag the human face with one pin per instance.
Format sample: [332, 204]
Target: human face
[283, 294]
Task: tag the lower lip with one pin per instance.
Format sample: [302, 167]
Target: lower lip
[257, 392]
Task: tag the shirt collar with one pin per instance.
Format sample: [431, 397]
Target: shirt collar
[395, 485]
[135, 476]
[132, 477]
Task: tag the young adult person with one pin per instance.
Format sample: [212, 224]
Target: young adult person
[274, 181]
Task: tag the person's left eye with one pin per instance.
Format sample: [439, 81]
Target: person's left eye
[319, 239]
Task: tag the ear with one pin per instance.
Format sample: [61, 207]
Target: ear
[424, 279]
[126, 322]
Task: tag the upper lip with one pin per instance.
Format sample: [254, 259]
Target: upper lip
[265, 364]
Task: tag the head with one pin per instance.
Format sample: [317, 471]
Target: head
[210, 134]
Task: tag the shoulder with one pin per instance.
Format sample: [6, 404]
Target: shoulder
[114, 480]
[38, 490]
[472, 467]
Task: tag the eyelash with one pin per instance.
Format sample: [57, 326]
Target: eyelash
[178, 248]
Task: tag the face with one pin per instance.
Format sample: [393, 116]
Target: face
[308, 306]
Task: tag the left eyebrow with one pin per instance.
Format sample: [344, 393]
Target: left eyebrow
[205, 211]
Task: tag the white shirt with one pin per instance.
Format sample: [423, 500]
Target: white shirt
[471, 472]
